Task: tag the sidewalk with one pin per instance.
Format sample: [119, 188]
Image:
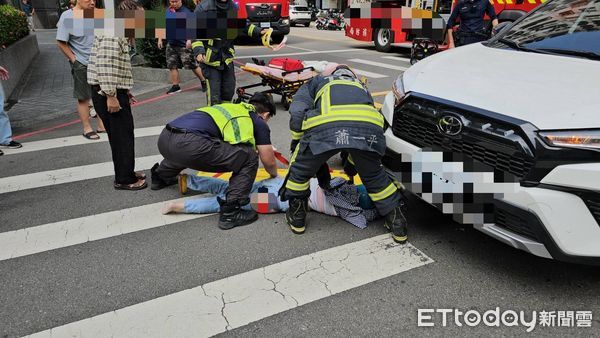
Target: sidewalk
[46, 91]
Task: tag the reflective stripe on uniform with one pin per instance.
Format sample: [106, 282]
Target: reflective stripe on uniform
[296, 135]
[342, 116]
[197, 43]
[234, 123]
[251, 29]
[346, 112]
[336, 82]
[207, 59]
[385, 193]
[208, 92]
[297, 186]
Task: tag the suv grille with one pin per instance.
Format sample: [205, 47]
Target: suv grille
[494, 144]
[514, 223]
[593, 203]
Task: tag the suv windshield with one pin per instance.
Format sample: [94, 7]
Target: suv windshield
[565, 27]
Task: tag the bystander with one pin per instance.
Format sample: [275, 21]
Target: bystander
[29, 13]
[75, 41]
[109, 74]
[179, 52]
[6, 140]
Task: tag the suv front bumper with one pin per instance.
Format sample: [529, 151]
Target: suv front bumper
[558, 218]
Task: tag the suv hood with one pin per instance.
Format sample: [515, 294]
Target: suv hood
[551, 92]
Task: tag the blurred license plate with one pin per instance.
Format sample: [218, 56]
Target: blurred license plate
[265, 24]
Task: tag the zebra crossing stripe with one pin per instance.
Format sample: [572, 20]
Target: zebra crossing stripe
[80, 230]
[74, 141]
[396, 58]
[235, 301]
[67, 175]
[379, 64]
[368, 74]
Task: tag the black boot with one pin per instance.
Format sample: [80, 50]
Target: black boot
[158, 182]
[296, 215]
[397, 224]
[232, 215]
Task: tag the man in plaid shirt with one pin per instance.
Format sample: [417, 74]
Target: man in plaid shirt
[109, 74]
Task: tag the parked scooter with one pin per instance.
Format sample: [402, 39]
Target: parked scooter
[321, 23]
[332, 23]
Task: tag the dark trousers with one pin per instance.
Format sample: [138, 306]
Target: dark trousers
[187, 150]
[368, 164]
[221, 84]
[119, 128]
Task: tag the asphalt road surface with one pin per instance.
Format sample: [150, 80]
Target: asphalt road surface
[78, 258]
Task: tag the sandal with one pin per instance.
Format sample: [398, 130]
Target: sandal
[139, 185]
[140, 175]
[100, 131]
[90, 135]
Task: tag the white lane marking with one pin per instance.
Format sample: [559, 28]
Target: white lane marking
[75, 231]
[75, 141]
[272, 55]
[300, 48]
[396, 58]
[368, 74]
[67, 175]
[379, 64]
[238, 300]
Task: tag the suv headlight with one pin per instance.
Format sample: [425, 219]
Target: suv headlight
[587, 139]
[285, 21]
[398, 89]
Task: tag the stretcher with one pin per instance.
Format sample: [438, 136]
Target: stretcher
[281, 82]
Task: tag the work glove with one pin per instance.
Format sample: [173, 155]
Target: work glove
[293, 145]
[324, 177]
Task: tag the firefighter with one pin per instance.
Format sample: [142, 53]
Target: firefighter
[330, 115]
[220, 138]
[216, 55]
[471, 14]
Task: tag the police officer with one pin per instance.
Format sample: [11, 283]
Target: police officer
[471, 14]
[216, 55]
[333, 114]
[220, 138]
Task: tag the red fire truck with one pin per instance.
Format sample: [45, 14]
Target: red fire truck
[398, 22]
[266, 13]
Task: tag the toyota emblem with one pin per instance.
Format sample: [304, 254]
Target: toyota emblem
[450, 125]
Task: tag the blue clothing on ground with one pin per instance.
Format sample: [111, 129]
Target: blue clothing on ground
[202, 124]
[471, 14]
[78, 34]
[5, 129]
[216, 186]
[171, 26]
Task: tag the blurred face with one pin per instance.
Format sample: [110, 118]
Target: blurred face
[86, 4]
[175, 4]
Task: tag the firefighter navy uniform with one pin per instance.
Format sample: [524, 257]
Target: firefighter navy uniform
[330, 115]
[218, 67]
[471, 14]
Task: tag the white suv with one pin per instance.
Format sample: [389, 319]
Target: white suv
[505, 134]
[300, 15]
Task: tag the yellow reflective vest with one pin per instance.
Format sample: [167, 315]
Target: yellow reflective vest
[234, 122]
